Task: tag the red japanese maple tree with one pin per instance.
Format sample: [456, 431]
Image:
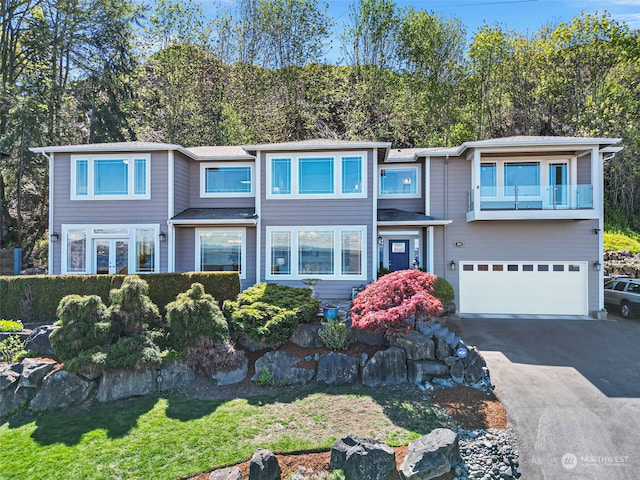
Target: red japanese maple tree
[395, 301]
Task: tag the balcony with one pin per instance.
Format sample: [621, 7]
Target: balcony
[530, 202]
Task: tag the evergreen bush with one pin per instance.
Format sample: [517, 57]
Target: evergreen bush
[10, 326]
[298, 300]
[263, 321]
[443, 291]
[195, 314]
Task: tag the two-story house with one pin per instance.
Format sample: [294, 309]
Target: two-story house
[515, 224]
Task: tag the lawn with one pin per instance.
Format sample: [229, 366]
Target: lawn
[175, 437]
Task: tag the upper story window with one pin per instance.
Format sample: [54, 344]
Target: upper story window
[316, 176]
[399, 181]
[110, 177]
[225, 180]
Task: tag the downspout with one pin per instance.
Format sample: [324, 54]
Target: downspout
[171, 244]
[375, 251]
[258, 212]
[446, 216]
[50, 248]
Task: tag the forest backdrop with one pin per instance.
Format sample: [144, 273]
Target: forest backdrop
[88, 71]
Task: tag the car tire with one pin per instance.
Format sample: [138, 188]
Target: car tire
[625, 310]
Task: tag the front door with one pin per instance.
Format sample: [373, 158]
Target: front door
[398, 255]
[111, 256]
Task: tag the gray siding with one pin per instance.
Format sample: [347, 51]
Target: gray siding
[320, 212]
[181, 183]
[116, 212]
[195, 201]
[534, 240]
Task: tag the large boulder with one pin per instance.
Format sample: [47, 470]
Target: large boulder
[386, 367]
[362, 459]
[13, 398]
[337, 369]
[61, 389]
[38, 341]
[416, 346]
[34, 370]
[264, 466]
[443, 349]
[421, 371]
[175, 375]
[229, 377]
[231, 473]
[431, 456]
[279, 366]
[9, 375]
[306, 335]
[124, 384]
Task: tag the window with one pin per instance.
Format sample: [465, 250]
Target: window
[331, 175]
[400, 181]
[218, 180]
[106, 177]
[221, 250]
[110, 248]
[145, 250]
[522, 179]
[488, 181]
[76, 251]
[281, 176]
[316, 176]
[351, 175]
[323, 252]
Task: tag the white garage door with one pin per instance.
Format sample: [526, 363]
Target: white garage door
[538, 288]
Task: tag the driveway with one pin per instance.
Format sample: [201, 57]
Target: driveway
[572, 392]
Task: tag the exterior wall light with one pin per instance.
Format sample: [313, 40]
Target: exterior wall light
[163, 237]
[596, 231]
[452, 266]
[55, 236]
[597, 266]
[380, 240]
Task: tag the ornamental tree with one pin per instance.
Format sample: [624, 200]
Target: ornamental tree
[395, 301]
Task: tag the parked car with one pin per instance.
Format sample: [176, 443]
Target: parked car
[624, 293]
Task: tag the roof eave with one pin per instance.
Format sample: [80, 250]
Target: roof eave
[351, 145]
[427, 223]
[198, 222]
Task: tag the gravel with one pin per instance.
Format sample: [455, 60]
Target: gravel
[487, 455]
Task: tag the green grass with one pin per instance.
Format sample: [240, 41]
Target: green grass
[174, 437]
[621, 239]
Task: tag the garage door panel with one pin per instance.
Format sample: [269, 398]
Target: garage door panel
[558, 288]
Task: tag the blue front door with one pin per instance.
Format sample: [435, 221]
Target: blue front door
[398, 255]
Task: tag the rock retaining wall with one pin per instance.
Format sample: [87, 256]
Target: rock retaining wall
[429, 357]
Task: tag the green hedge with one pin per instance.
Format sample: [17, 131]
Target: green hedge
[36, 298]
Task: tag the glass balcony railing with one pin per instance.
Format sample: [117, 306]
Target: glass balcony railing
[532, 197]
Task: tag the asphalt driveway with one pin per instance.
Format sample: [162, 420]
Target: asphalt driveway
[572, 392]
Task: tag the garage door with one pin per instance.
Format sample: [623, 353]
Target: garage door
[539, 288]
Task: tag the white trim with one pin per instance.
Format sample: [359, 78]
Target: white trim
[400, 166]
[597, 177]
[226, 165]
[203, 222]
[375, 250]
[51, 209]
[258, 221]
[337, 231]
[171, 242]
[426, 182]
[296, 147]
[335, 156]
[91, 236]
[243, 247]
[430, 250]
[129, 159]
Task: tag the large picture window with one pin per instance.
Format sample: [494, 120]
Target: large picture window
[221, 250]
[400, 181]
[323, 252]
[330, 175]
[106, 177]
[522, 179]
[226, 180]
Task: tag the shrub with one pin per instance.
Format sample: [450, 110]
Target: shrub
[443, 291]
[221, 356]
[395, 301]
[131, 308]
[10, 326]
[270, 311]
[299, 300]
[264, 321]
[335, 335]
[84, 324]
[93, 338]
[12, 349]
